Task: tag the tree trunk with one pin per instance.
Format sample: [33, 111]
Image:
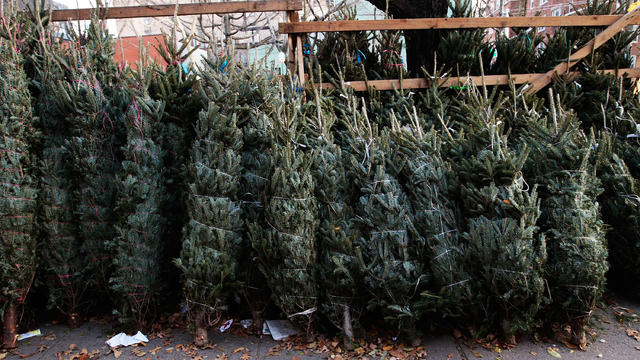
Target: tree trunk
[74, 320]
[347, 328]
[9, 328]
[202, 336]
[421, 44]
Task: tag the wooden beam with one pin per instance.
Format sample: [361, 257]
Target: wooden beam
[630, 18]
[447, 23]
[421, 83]
[125, 12]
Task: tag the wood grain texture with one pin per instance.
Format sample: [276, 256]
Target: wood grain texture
[421, 83]
[628, 19]
[448, 23]
[125, 12]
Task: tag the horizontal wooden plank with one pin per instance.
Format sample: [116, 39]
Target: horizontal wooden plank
[125, 12]
[421, 83]
[446, 23]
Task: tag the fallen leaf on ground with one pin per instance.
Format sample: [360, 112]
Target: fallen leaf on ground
[24, 356]
[634, 334]
[116, 353]
[387, 348]
[138, 352]
[553, 352]
[359, 351]
[72, 347]
[50, 336]
[3, 355]
[245, 356]
[237, 350]
[295, 358]
[533, 353]
[222, 356]
[398, 354]
[476, 354]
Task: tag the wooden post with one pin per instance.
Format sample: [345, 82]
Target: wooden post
[584, 51]
[294, 42]
[300, 59]
[290, 45]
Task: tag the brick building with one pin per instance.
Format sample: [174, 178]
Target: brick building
[540, 8]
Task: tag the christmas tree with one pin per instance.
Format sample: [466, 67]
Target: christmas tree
[286, 251]
[339, 278]
[60, 248]
[344, 53]
[620, 211]
[18, 187]
[92, 155]
[390, 256]
[213, 234]
[137, 246]
[428, 181]
[175, 87]
[503, 252]
[562, 163]
[459, 51]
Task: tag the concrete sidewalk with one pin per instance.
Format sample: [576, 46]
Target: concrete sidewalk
[88, 342]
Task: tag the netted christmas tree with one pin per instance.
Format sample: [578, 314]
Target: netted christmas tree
[251, 94]
[213, 233]
[428, 182]
[339, 277]
[621, 212]
[92, 163]
[390, 256]
[562, 163]
[18, 186]
[504, 253]
[137, 246]
[286, 249]
[175, 87]
[60, 248]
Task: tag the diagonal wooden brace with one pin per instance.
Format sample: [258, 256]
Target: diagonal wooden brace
[601, 38]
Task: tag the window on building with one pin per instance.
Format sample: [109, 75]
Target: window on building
[542, 2]
[541, 29]
[556, 12]
[147, 21]
[533, 3]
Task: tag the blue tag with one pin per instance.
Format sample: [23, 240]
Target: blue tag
[360, 56]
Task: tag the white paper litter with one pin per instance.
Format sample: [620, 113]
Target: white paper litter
[123, 339]
[278, 329]
[29, 334]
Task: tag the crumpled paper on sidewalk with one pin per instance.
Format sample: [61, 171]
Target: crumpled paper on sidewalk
[123, 339]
